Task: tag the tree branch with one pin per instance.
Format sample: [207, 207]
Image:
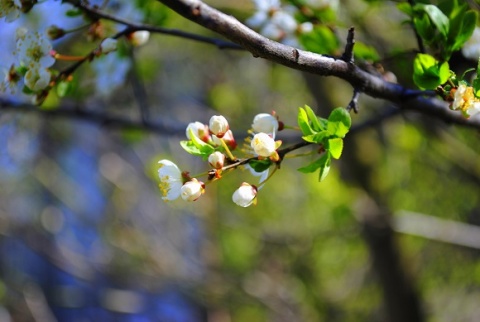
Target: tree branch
[132, 27]
[104, 119]
[259, 46]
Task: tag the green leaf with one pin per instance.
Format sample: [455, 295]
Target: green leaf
[303, 123]
[335, 147]
[64, 88]
[197, 147]
[315, 123]
[260, 165]
[73, 13]
[339, 122]
[191, 148]
[437, 17]
[406, 8]
[427, 73]
[317, 137]
[365, 52]
[468, 24]
[321, 40]
[476, 87]
[325, 167]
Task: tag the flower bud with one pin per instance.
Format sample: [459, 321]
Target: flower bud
[54, 32]
[227, 138]
[199, 129]
[218, 125]
[265, 123]
[263, 145]
[216, 160]
[245, 195]
[139, 38]
[192, 190]
[108, 45]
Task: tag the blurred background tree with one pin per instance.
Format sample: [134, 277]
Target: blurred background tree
[391, 234]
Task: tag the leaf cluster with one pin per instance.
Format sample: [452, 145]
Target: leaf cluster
[328, 133]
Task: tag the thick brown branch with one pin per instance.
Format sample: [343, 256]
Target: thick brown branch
[260, 46]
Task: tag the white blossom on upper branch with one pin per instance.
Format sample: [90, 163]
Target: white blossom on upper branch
[34, 49]
[10, 9]
[471, 49]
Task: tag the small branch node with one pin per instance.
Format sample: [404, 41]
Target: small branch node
[353, 105]
[348, 53]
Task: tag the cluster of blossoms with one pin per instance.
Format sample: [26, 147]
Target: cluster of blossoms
[278, 22]
[464, 100]
[32, 72]
[215, 143]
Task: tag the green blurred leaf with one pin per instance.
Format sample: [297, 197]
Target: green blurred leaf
[468, 22]
[406, 8]
[437, 17]
[260, 165]
[335, 147]
[320, 40]
[64, 88]
[339, 122]
[364, 52]
[73, 13]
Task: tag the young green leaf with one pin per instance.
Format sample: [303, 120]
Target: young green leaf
[312, 167]
[428, 73]
[260, 165]
[335, 147]
[339, 122]
[317, 137]
[325, 167]
[314, 122]
[437, 17]
[303, 122]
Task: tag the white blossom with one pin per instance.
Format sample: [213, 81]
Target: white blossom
[473, 109]
[34, 48]
[265, 123]
[216, 160]
[263, 144]
[37, 78]
[471, 49]
[458, 98]
[218, 125]
[199, 129]
[262, 14]
[192, 190]
[139, 38]
[111, 71]
[108, 45]
[244, 195]
[10, 9]
[170, 180]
